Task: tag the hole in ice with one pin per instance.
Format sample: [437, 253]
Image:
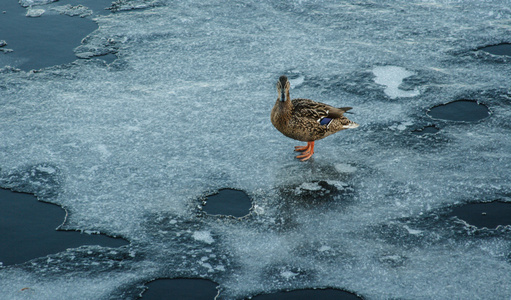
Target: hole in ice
[306, 294]
[489, 215]
[425, 130]
[181, 289]
[501, 49]
[43, 41]
[460, 110]
[228, 202]
[27, 228]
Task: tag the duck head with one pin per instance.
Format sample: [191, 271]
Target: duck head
[283, 88]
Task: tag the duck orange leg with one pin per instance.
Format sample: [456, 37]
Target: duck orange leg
[307, 151]
[302, 148]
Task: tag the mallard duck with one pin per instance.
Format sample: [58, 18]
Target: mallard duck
[306, 120]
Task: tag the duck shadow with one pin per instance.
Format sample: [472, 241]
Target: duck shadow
[313, 187]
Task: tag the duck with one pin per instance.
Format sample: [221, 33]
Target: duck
[306, 120]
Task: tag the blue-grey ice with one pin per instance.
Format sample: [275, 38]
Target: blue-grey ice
[72, 11]
[131, 147]
[27, 3]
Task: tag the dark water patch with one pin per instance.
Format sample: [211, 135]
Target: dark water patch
[489, 215]
[228, 202]
[426, 130]
[306, 294]
[27, 228]
[501, 49]
[460, 110]
[181, 289]
[44, 41]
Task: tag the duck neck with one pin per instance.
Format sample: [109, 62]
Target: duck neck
[283, 108]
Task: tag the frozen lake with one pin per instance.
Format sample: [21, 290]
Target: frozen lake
[131, 147]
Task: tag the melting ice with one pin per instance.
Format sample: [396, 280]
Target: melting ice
[130, 148]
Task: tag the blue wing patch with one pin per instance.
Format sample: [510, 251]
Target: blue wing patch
[325, 121]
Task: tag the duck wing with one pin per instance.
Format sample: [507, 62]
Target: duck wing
[306, 108]
[337, 112]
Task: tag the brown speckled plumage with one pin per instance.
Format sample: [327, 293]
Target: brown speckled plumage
[301, 119]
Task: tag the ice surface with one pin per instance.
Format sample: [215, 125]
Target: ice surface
[27, 3]
[35, 12]
[70, 10]
[2, 45]
[203, 236]
[184, 111]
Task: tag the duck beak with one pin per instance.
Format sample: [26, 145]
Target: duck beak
[283, 96]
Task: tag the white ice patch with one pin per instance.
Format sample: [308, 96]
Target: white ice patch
[103, 150]
[324, 248]
[288, 274]
[400, 126]
[412, 231]
[345, 168]
[27, 3]
[220, 268]
[206, 265]
[35, 12]
[296, 82]
[340, 185]
[46, 169]
[258, 209]
[392, 77]
[203, 236]
[77, 10]
[310, 186]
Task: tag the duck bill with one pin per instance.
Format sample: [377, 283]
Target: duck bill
[283, 96]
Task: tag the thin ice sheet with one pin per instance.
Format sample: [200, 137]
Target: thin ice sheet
[130, 148]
